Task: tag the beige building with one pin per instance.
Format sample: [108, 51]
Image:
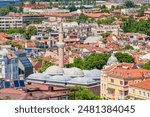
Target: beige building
[116, 78]
[140, 91]
[7, 22]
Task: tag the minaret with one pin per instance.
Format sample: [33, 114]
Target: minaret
[60, 45]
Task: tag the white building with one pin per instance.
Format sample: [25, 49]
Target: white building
[7, 22]
[113, 29]
[8, 65]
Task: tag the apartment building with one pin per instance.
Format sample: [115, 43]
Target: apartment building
[15, 20]
[140, 91]
[7, 22]
[8, 65]
[116, 78]
[113, 29]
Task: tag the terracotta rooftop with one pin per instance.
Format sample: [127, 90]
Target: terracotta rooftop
[127, 71]
[41, 93]
[97, 15]
[143, 85]
[11, 56]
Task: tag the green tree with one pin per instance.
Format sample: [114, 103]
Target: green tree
[72, 8]
[146, 65]
[45, 65]
[95, 61]
[141, 12]
[105, 35]
[82, 93]
[18, 30]
[78, 62]
[105, 21]
[31, 30]
[82, 18]
[129, 4]
[141, 26]
[129, 47]
[124, 57]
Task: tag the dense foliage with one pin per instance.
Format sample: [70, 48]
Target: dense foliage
[82, 93]
[146, 65]
[93, 61]
[82, 18]
[105, 21]
[129, 47]
[45, 65]
[9, 8]
[19, 46]
[141, 26]
[31, 30]
[124, 57]
[129, 4]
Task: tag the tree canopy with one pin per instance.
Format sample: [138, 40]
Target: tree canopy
[31, 30]
[9, 8]
[82, 93]
[146, 65]
[129, 4]
[124, 57]
[82, 18]
[45, 65]
[93, 61]
[129, 47]
[141, 26]
[105, 21]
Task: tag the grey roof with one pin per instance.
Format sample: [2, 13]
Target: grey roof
[81, 81]
[92, 39]
[66, 76]
[94, 74]
[112, 60]
[54, 70]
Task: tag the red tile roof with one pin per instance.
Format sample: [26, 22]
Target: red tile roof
[97, 15]
[127, 71]
[143, 85]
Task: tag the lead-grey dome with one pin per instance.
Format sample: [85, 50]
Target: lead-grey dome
[112, 60]
[54, 70]
[73, 72]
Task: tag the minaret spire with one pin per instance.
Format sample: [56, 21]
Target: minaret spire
[60, 45]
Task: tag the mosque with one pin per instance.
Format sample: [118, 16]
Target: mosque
[64, 77]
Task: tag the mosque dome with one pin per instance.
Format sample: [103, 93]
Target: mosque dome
[38, 76]
[95, 73]
[73, 72]
[112, 60]
[54, 70]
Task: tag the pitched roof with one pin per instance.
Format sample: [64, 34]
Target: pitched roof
[97, 15]
[143, 85]
[127, 71]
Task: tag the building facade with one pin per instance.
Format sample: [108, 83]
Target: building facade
[115, 80]
[140, 91]
[7, 22]
[8, 65]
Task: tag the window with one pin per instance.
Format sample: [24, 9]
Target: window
[126, 93]
[133, 90]
[112, 80]
[139, 92]
[121, 82]
[148, 94]
[125, 83]
[143, 93]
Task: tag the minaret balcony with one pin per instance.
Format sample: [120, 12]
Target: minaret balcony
[60, 44]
